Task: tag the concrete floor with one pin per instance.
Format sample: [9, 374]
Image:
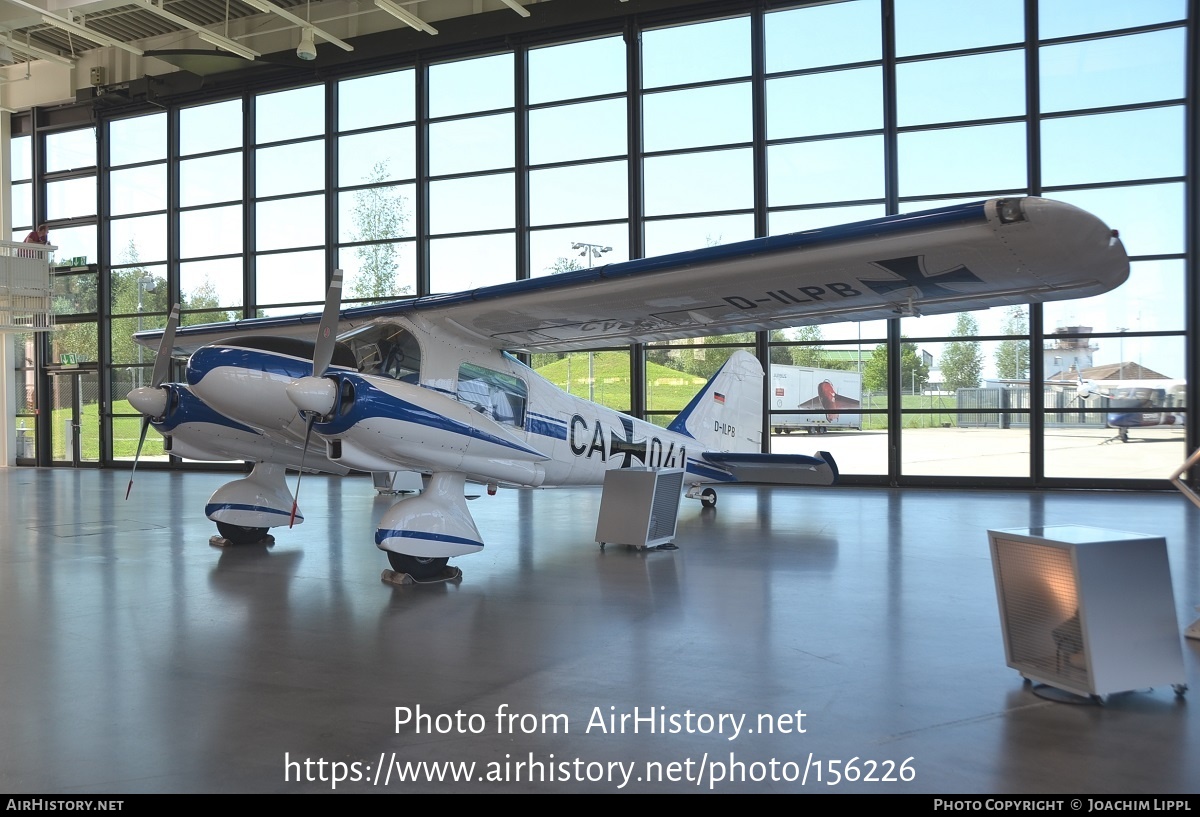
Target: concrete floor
[134, 657]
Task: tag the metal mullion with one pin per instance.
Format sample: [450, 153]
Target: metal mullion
[1033, 154]
[354, 188]
[656, 154]
[758, 102]
[1119, 32]
[249, 210]
[1122, 183]
[965, 194]
[208, 154]
[1192, 227]
[73, 173]
[706, 83]
[104, 293]
[963, 123]
[635, 212]
[578, 100]
[521, 159]
[824, 137]
[421, 145]
[375, 128]
[1072, 113]
[960, 52]
[470, 174]
[567, 225]
[702, 214]
[470, 233]
[299, 140]
[459, 117]
[821, 69]
[144, 214]
[332, 236]
[891, 194]
[595, 160]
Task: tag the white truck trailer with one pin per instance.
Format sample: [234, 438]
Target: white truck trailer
[823, 398]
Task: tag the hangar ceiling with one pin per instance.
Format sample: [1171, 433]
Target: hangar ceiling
[63, 30]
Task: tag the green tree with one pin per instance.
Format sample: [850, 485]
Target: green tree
[82, 338]
[206, 298]
[875, 369]
[563, 264]
[914, 373]
[808, 355]
[380, 214]
[962, 360]
[1012, 356]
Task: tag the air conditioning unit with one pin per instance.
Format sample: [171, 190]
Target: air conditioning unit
[639, 506]
[1087, 610]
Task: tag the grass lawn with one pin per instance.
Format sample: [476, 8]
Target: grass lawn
[666, 390]
[946, 411]
[125, 433]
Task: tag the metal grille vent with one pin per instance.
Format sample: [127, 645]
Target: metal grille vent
[1039, 601]
[665, 510]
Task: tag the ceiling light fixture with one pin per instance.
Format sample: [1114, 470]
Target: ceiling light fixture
[228, 45]
[405, 16]
[307, 50]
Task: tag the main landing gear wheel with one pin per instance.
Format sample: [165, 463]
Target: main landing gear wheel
[420, 568]
[708, 498]
[240, 534]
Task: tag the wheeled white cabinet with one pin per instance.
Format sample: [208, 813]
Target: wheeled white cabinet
[639, 506]
[1087, 610]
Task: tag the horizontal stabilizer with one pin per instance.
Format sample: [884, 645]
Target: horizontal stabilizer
[778, 469]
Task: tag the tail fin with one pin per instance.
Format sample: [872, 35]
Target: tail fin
[727, 413]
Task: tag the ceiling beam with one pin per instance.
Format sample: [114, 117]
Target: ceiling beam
[405, 16]
[71, 27]
[32, 51]
[517, 7]
[267, 7]
[201, 32]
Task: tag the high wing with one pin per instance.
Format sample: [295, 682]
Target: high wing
[991, 253]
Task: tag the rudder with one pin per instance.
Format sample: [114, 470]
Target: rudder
[727, 413]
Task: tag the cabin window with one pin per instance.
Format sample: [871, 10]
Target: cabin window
[499, 396]
[387, 350]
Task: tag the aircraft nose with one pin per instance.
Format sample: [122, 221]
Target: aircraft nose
[149, 400]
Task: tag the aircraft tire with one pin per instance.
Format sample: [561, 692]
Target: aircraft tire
[240, 534]
[708, 498]
[420, 568]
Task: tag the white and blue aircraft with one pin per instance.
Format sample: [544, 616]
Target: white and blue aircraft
[429, 384]
[1137, 403]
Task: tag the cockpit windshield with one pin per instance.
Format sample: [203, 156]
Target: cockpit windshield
[386, 349]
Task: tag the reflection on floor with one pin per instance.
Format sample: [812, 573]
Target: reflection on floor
[136, 658]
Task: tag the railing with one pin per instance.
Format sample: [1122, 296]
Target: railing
[26, 302]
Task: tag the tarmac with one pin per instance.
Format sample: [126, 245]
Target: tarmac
[1092, 453]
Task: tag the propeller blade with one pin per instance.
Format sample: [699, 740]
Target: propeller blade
[162, 361]
[148, 399]
[137, 456]
[327, 331]
[300, 475]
